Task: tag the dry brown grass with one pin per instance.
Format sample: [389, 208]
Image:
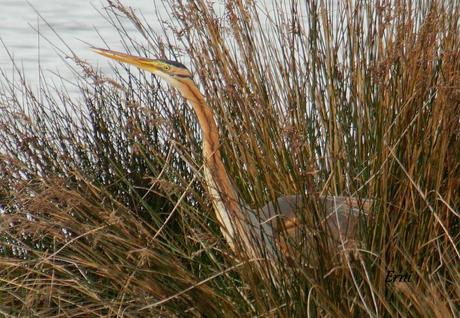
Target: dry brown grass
[352, 100]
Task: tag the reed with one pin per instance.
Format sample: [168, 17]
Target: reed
[103, 209]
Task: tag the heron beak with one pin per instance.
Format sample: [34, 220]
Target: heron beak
[140, 62]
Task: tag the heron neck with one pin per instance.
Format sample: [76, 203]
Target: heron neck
[225, 198]
[235, 220]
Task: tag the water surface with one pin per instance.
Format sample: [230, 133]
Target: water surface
[76, 22]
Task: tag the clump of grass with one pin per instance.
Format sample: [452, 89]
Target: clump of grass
[104, 212]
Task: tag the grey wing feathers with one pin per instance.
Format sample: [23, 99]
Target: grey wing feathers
[341, 213]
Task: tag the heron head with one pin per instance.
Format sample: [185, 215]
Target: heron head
[173, 72]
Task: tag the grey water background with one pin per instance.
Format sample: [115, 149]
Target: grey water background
[29, 30]
[76, 22]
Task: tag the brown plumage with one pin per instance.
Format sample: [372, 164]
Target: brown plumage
[260, 233]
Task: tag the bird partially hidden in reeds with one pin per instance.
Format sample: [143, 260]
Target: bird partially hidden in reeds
[264, 233]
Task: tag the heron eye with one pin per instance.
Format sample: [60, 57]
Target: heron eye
[166, 67]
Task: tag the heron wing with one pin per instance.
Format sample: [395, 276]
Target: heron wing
[341, 214]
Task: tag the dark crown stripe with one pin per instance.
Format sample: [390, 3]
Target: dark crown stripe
[174, 63]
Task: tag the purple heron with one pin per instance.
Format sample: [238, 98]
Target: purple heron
[260, 233]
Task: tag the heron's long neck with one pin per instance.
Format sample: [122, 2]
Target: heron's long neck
[234, 219]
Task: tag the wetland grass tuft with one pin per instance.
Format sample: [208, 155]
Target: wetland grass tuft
[103, 209]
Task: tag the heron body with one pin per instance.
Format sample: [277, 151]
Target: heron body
[260, 233]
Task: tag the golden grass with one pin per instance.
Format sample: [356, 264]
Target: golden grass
[104, 212]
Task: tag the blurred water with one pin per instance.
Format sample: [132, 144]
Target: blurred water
[29, 29]
[74, 21]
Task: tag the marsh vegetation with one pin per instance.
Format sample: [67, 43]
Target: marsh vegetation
[103, 209]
